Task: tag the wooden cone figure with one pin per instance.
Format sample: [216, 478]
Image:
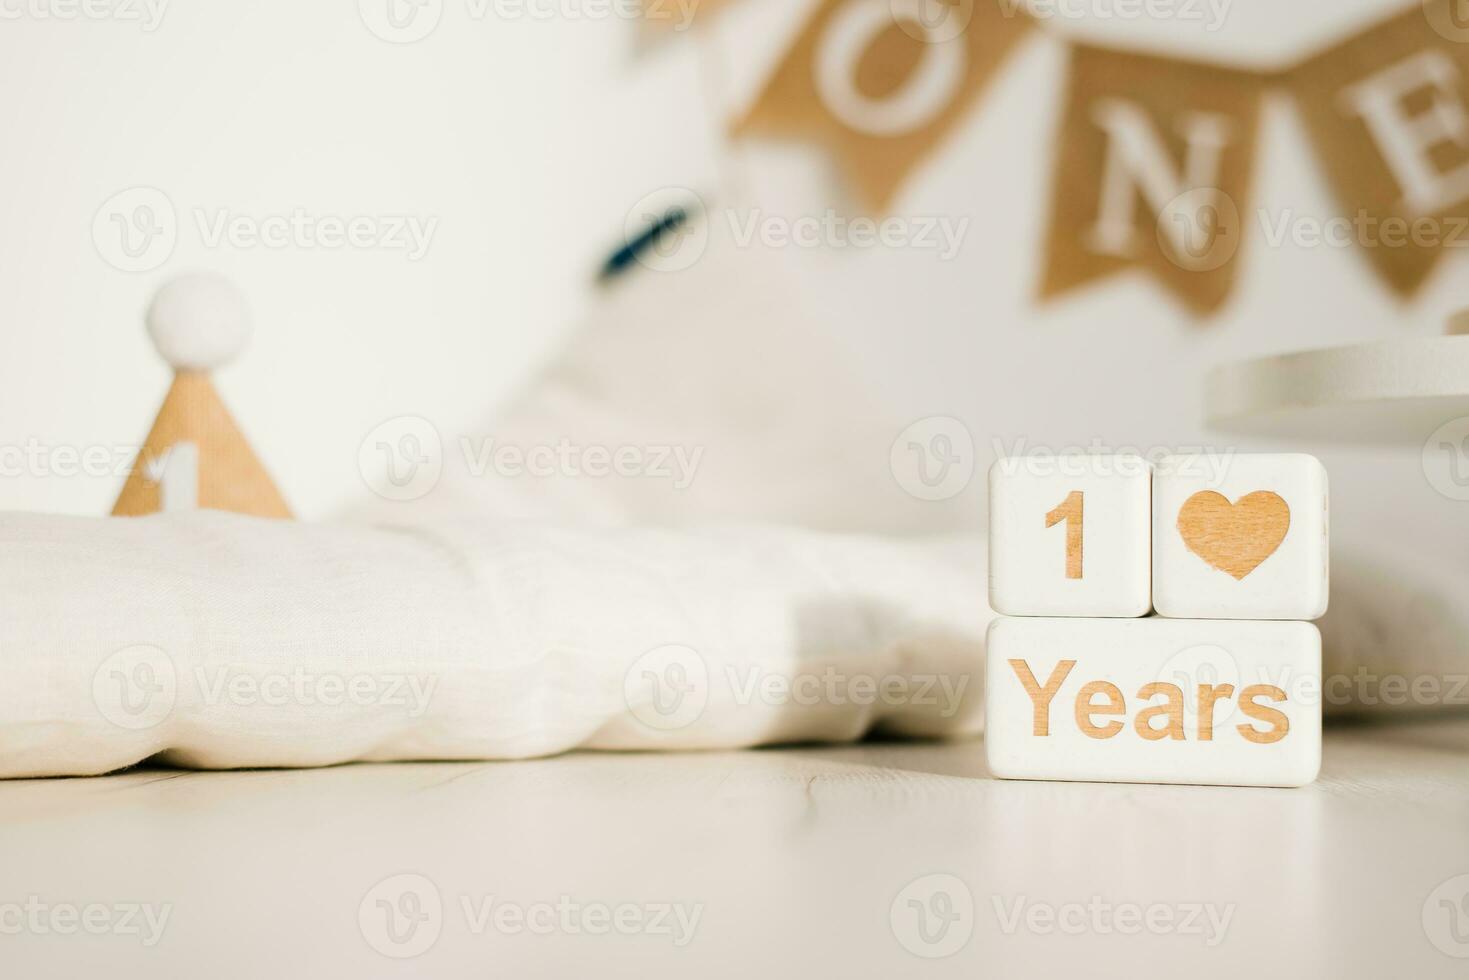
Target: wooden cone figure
[195, 456]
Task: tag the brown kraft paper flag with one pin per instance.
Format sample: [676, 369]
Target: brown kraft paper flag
[680, 15]
[1388, 111]
[880, 82]
[1154, 171]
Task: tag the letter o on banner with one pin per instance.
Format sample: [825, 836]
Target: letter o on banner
[927, 91]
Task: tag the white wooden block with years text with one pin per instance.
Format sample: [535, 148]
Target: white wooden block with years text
[1220, 702]
[1240, 537]
[1069, 536]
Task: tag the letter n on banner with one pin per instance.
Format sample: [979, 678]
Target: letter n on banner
[1156, 161]
[880, 82]
[1388, 111]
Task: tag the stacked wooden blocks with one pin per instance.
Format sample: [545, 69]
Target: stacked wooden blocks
[1222, 685]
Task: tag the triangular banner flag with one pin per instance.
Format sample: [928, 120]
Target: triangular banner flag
[881, 82]
[1154, 173]
[1388, 111]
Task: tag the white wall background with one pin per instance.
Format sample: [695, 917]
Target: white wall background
[530, 139]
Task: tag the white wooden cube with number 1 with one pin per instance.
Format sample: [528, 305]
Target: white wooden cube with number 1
[1070, 536]
[1240, 537]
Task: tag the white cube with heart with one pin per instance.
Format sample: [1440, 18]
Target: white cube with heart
[1240, 537]
[1069, 536]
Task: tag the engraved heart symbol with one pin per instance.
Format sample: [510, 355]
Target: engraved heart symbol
[1234, 538]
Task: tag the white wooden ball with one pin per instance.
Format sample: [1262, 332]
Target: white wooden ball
[199, 322]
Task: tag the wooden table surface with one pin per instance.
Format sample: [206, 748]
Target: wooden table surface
[875, 860]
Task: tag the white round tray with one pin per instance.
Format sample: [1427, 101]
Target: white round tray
[1393, 392]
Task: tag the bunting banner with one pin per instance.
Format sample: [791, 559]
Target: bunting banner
[1154, 154]
[881, 82]
[679, 15]
[1388, 111]
[1152, 175]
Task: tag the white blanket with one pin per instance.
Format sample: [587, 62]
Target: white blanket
[218, 641]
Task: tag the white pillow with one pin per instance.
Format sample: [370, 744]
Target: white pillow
[219, 641]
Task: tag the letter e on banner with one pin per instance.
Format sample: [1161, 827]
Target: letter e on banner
[1388, 111]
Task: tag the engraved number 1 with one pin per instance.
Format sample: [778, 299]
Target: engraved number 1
[1070, 512]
